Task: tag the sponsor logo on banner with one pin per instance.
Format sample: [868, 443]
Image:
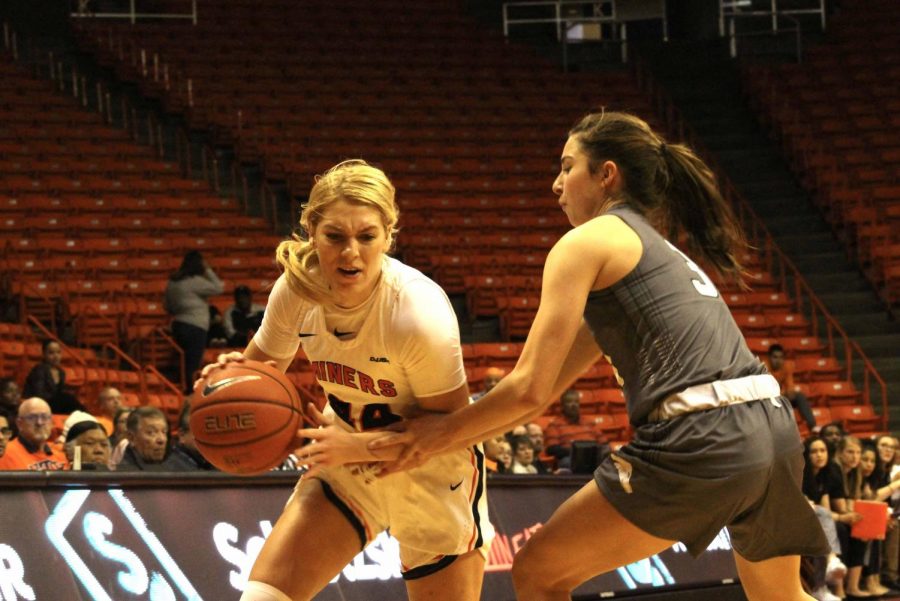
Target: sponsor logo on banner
[148, 569]
[12, 576]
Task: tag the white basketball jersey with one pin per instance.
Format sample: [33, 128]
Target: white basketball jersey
[407, 346]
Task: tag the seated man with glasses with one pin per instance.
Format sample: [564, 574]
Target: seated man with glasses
[31, 449]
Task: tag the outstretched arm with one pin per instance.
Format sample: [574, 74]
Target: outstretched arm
[558, 349]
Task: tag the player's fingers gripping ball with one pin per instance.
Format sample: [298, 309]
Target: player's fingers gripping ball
[244, 417]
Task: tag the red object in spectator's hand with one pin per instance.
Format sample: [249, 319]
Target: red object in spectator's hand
[874, 520]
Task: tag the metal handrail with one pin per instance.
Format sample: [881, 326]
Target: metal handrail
[760, 235]
[82, 11]
[166, 382]
[773, 12]
[733, 35]
[557, 19]
[159, 333]
[618, 19]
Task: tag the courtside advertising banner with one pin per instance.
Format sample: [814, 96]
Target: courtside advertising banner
[177, 541]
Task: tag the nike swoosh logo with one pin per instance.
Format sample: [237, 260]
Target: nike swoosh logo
[211, 388]
[455, 486]
[339, 334]
[302, 335]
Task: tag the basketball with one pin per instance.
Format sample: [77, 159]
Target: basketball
[244, 417]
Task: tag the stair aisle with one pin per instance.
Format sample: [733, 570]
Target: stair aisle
[705, 86]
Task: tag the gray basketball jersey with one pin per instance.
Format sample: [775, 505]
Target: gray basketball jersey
[664, 326]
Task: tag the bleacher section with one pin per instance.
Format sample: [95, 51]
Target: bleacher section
[93, 224]
[838, 117]
[468, 127]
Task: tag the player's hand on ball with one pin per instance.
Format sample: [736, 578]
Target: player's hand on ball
[224, 359]
[330, 445]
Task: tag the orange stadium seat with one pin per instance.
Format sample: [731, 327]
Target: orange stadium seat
[857, 418]
[823, 415]
[497, 354]
[817, 368]
[834, 393]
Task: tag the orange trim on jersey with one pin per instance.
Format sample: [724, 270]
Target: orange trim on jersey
[359, 515]
[472, 488]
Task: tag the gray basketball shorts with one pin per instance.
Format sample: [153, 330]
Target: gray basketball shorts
[739, 466]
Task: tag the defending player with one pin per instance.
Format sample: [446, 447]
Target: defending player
[715, 444]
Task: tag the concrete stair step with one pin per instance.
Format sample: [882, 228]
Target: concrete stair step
[801, 243]
[762, 187]
[844, 303]
[879, 345]
[869, 324]
[847, 282]
[830, 262]
[788, 225]
[780, 206]
[760, 159]
[888, 368]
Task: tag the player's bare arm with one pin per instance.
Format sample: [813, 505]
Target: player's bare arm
[570, 273]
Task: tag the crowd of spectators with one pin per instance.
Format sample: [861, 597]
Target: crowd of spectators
[841, 472]
[544, 448]
[840, 469]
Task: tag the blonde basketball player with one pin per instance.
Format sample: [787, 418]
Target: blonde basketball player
[384, 342]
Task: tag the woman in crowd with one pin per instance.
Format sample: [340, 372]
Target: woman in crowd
[876, 487]
[853, 550]
[187, 295]
[47, 380]
[887, 450]
[822, 483]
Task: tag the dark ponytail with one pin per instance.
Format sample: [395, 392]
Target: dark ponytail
[667, 183]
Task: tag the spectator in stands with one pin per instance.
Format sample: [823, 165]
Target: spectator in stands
[109, 401]
[5, 432]
[31, 449]
[216, 337]
[186, 301]
[10, 397]
[74, 418]
[876, 487]
[523, 456]
[492, 376]
[504, 457]
[561, 432]
[822, 484]
[519, 430]
[890, 565]
[702, 404]
[242, 318]
[536, 434]
[784, 373]
[832, 434]
[493, 450]
[186, 447]
[853, 550]
[119, 438]
[91, 438]
[148, 444]
[47, 380]
[120, 425]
